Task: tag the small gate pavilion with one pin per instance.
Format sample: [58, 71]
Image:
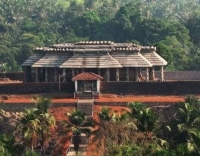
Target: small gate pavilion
[87, 83]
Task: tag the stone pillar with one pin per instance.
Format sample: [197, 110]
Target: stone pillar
[117, 74]
[151, 73]
[147, 74]
[28, 73]
[99, 71]
[136, 74]
[82, 70]
[76, 86]
[55, 74]
[64, 75]
[36, 75]
[162, 73]
[98, 86]
[46, 74]
[73, 73]
[127, 74]
[107, 74]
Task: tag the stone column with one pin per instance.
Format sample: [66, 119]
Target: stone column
[76, 86]
[82, 70]
[107, 74]
[136, 74]
[147, 74]
[127, 74]
[55, 74]
[36, 74]
[162, 73]
[28, 73]
[117, 74]
[46, 74]
[73, 73]
[99, 71]
[64, 75]
[98, 86]
[151, 73]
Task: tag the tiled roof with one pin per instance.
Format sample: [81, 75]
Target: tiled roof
[52, 59]
[95, 54]
[128, 59]
[87, 76]
[33, 58]
[91, 60]
[154, 58]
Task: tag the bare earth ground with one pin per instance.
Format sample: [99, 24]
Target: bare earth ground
[60, 112]
[66, 98]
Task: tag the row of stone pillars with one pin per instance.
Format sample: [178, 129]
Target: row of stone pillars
[150, 74]
[56, 75]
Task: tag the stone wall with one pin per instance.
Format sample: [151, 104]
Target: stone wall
[35, 88]
[145, 88]
[169, 76]
[180, 75]
[20, 76]
[152, 88]
[20, 107]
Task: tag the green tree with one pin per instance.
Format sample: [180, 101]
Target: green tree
[35, 125]
[28, 127]
[146, 118]
[77, 124]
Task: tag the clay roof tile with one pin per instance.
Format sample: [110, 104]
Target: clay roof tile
[87, 76]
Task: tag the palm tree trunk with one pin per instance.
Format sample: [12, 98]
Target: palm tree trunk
[76, 141]
[42, 143]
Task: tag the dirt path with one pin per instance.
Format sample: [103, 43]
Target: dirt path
[64, 98]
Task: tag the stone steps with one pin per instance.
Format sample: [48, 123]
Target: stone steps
[73, 153]
[86, 106]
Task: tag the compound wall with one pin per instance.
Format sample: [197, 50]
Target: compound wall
[145, 88]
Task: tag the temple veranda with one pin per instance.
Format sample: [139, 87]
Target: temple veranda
[112, 61]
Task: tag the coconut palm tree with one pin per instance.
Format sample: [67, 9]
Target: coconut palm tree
[188, 118]
[42, 104]
[28, 127]
[77, 123]
[35, 125]
[46, 123]
[146, 122]
[146, 119]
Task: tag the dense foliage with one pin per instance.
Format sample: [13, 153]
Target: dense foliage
[137, 130]
[31, 128]
[141, 132]
[172, 26]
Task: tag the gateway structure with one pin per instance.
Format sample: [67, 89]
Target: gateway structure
[112, 61]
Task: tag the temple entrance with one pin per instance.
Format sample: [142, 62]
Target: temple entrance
[87, 84]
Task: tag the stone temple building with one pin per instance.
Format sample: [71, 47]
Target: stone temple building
[111, 61]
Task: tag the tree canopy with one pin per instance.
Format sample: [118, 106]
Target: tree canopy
[171, 26]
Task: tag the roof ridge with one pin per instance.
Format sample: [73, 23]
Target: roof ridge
[87, 76]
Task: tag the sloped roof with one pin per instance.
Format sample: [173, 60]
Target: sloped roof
[131, 59]
[95, 54]
[154, 58]
[52, 59]
[91, 60]
[33, 58]
[87, 76]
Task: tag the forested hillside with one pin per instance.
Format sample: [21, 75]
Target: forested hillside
[173, 26]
